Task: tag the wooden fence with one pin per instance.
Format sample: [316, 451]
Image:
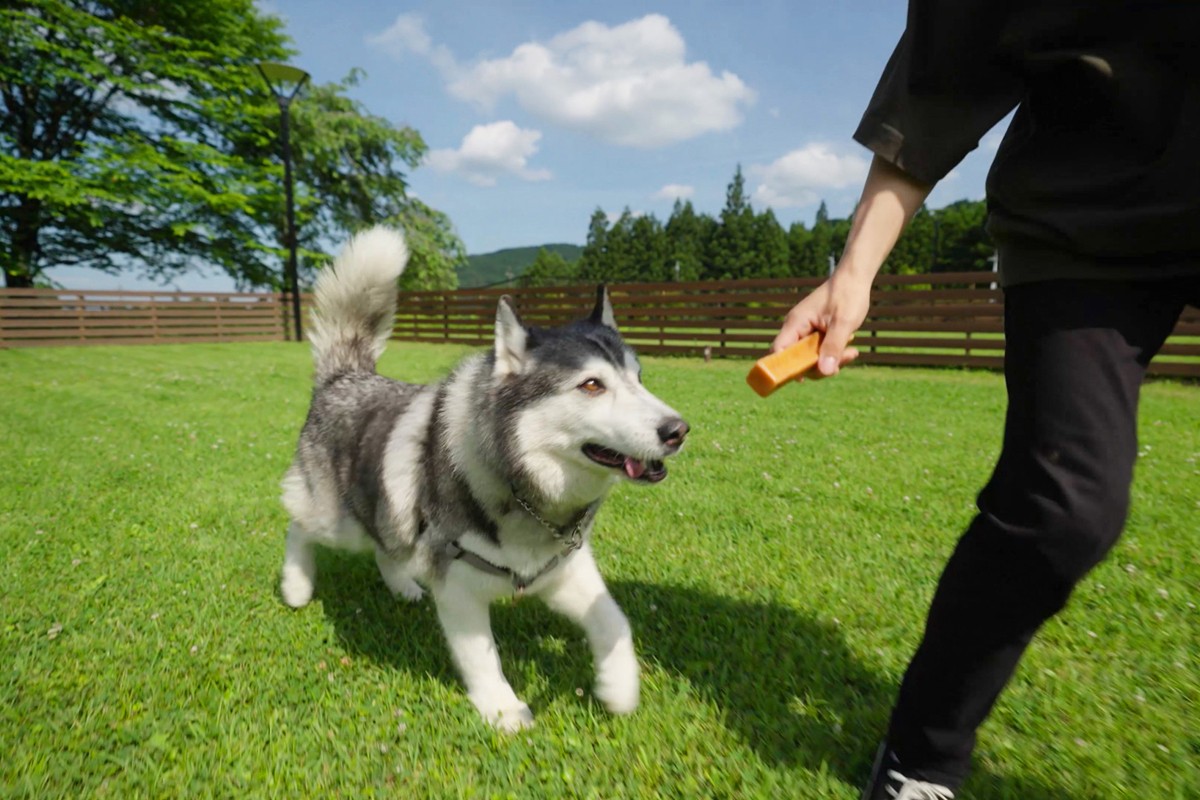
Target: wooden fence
[47, 317]
[948, 319]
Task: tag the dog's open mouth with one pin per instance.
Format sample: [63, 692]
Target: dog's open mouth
[649, 471]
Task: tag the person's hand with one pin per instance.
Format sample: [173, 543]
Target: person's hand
[837, 309]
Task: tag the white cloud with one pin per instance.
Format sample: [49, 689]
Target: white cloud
[489, 152]
[674, 191]
[614, 217]
[408, 35]
[798, 178]
[630, 84]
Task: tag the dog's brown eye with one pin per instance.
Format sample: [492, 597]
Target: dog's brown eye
[591, 386]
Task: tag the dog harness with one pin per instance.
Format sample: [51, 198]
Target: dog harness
[570, 535]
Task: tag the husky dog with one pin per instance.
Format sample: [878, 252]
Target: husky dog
[480, 486]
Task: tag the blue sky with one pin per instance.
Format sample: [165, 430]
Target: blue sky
[538, 112]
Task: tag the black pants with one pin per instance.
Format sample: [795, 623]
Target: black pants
[1076, 352]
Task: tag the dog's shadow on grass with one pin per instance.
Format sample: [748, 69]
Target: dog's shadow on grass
[785, 683]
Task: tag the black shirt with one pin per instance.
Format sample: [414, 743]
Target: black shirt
[1099, 172]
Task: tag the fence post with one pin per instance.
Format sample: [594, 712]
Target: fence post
[445, 317]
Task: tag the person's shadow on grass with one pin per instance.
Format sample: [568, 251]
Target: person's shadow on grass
[787, 684]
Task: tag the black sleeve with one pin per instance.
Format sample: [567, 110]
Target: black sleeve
[947, 83]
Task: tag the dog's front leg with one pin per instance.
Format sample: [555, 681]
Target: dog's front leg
[463, 611]
[578, 592]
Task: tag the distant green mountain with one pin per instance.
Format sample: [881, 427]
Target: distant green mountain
[489, 268]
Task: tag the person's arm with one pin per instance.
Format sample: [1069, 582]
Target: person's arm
[838, 307]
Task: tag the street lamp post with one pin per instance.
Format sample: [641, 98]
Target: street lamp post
[285, 83]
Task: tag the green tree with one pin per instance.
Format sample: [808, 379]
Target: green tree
[649, 250]
[914, 251]
[770, 247]
[112, 145]
[349, 168]
[686, 242]
[138, 134]
[621, 266]
[732, 250]
[548, 269]
[963, 242]
[799, 251]
[594, 261]
[819, 246]
[434, 249]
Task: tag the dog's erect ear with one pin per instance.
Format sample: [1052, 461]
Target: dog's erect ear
[602, 314]
[510, 339]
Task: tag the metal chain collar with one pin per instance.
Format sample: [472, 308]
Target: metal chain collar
[574, 539]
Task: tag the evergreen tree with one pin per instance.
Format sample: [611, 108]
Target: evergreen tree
[649, 249]
[799, 251]
[686, 243]
[820, 246]
[733, 253]
[964, 244]
[594, 261]
[913, 253]
[621, 266]
[770, 247]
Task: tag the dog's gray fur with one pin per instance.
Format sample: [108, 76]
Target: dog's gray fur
[476, 484]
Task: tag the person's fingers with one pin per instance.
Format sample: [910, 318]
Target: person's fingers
[833, 347]
[796, 325]
[848, 355]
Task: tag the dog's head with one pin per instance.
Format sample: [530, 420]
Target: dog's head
[574, 405]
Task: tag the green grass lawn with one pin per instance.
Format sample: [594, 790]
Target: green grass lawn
[776, 583]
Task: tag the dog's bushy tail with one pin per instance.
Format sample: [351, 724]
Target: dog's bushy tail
[355, 303]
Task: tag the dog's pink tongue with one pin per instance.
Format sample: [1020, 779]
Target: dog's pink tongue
[634, 468]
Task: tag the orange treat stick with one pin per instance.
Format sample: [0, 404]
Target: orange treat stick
[771, 372]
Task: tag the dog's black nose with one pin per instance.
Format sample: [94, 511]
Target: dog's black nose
[672, 431]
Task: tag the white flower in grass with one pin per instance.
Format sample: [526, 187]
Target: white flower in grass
[1163, 593]
[55, 630]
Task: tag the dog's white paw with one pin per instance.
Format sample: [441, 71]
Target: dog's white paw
[618, 686]
[508, 717]
[399, 582]
[409, 589]
[295, 586]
